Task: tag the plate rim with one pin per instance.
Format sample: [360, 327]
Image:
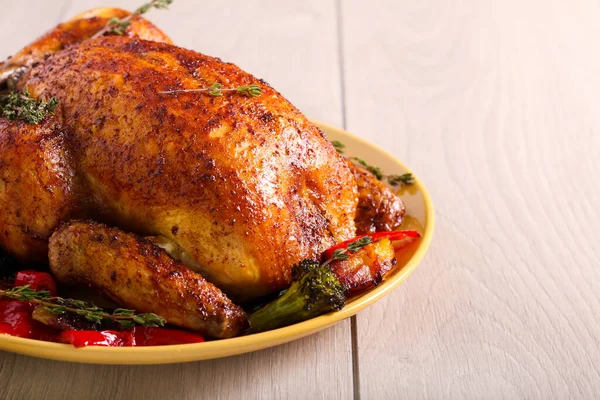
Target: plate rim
[243, 344]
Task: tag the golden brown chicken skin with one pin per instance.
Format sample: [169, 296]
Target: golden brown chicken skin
[74, 31]
[37, 181]
[139, 275]
[36, 186]
[246, 187]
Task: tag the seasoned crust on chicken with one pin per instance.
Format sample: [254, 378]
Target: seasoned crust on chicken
[36, 186]
[139, 275]
[37, 181]
[379, 209]
[246, 187]
[74, 31]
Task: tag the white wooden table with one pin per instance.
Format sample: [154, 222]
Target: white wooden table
[495, 104]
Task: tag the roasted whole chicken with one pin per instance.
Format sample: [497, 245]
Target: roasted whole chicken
[236, 189]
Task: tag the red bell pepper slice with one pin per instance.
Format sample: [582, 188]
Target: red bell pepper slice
[97, 338]
[404, 236]
[146, 336]
[36, 281]
[138, 336]
[16, 320]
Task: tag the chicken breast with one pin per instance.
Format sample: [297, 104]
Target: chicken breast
[246, 186]
[136, 274]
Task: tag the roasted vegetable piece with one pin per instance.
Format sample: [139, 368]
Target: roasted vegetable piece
[139, 336]
[365, 268]
[320, 288]
[36, 281]
[16, 320]
[145, 336]
[315, 290]
[65, 321]
[403, 236]
[97, 338]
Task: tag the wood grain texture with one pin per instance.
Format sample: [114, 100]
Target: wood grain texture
[494, 105]
[20, 26]
[265, 38]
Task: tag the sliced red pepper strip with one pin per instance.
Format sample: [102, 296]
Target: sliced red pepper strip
[97, 338]
[146, 336]
[391, 235]
[16, 320]
[36, 281]
[138, 336]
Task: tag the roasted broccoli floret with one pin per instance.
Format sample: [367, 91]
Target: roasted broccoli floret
[315, 290]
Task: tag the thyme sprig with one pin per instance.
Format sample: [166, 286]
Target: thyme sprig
[118, 26]
[21, 106]
[402, 179]
[339, 146]
[371, 168]
[343, 253]
[59, 306]
[394, 180]
[217, 90]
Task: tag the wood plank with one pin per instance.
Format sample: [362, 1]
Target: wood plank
[494, 105]
[20, 24]
[292, 45]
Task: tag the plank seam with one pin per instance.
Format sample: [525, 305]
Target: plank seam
[63, 10]
[353, 321]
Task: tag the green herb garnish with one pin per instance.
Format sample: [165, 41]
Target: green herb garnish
[216, 90]
[59, 306]
[404, 179]
[371, 168]
[339, 146]
[342, 254]
[21, 106]
[118, 26]
[394, 180]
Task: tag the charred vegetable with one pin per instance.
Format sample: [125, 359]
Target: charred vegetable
[319, 288]
[315, 290]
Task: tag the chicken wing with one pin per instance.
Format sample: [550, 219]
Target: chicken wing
[36, 186]
[79, 28]
[379, 209]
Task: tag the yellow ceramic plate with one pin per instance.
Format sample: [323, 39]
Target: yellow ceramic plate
[418, 206]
